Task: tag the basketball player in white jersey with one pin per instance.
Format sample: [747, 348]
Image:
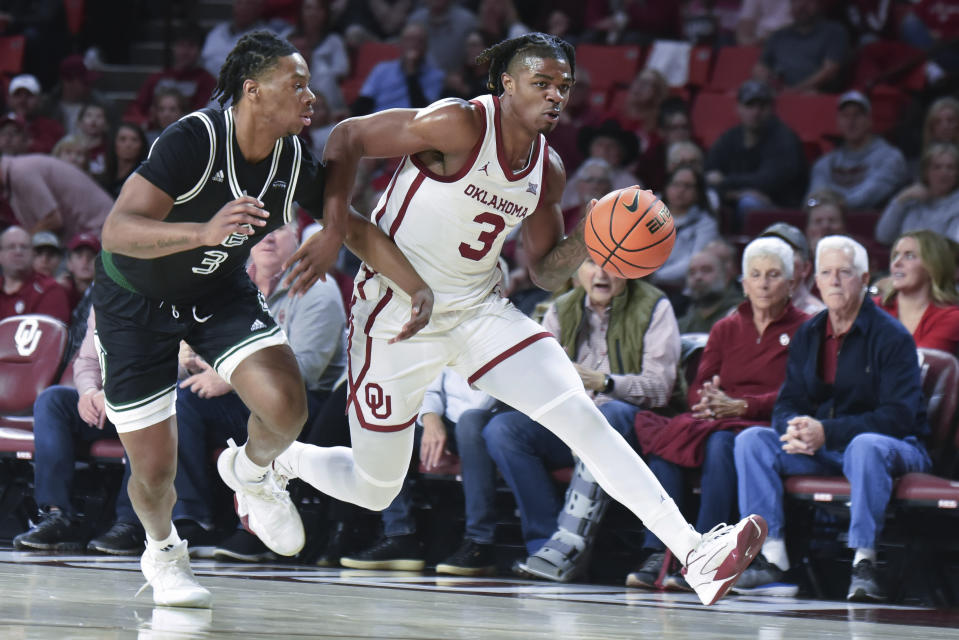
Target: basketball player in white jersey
[471, 171]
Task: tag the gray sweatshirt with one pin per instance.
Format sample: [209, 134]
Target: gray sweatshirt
[866, 177]
[940, 215]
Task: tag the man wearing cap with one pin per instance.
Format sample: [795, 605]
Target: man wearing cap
[23, 290]
[82, 252]
[47, 253]
[865, 169]
[74, 91]
[760, 161]
[24, 102]
[802, 297]
[49, 194]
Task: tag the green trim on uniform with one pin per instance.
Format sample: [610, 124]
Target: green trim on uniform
[114, 273]
[136, 404]
[246, 341]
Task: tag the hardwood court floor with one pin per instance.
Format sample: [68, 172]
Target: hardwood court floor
[60, 597]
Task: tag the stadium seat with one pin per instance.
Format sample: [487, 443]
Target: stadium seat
[692, 346]
[811, 115]
[74, 11]
[889, 62]
[11, 54]
[609, 66]
[712, 114]
[700, 61]
[758, 219]
[734, 65]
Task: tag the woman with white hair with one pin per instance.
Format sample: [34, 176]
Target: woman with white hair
[739, 376]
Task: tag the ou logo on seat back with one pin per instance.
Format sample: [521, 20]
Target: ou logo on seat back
[27, 336]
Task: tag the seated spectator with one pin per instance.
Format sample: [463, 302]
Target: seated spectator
[602, 316]
[192, 81]
[685, 195]
[760, 161]
[128, 150]
[865, 169]
[932, 26]
[94, 128]
[672, 126]
[635, 22]
[932, 203]
[808, 54]
[498, 20]
[758, 19]
[168, 106]
[48, 194]
[24, 102]
[922, 289]
[578, 113]
[14, 139]
[446, 25]
[592, 180]
[23, 290]
[469, 79]
[802, 297]
[321, 124]
[687, 152]
[73, 149]
[67, 419]
[47, 254]
[247, 17]
[613, 144]
[741, 370]
[369, 20]
[82, 253]
[712, 293]
[410, 81]
[448, 402]
[942, 122]
[74, 91]
[825, 216]
[640, 111]
[860, 416]
[323, 49]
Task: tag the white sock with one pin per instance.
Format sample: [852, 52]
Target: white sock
[864, 554]
[247, 470]
[774, 549]
[167, 543]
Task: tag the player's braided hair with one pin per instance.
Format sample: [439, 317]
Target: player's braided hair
[255, 53]
[501, 55]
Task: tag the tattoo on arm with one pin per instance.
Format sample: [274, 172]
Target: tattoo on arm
[563, 259]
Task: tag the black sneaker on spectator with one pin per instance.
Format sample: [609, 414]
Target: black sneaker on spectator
[55, 531]
[471, 559]
[394, 553]
[243, 546]
[648, 573]
[763, 578]
[340, 543]
[676, 582]
[864, 585]
[122, 539]
[201, 541]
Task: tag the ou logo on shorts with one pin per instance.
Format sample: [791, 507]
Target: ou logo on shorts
[380, 404]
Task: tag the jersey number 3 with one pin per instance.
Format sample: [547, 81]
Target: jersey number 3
[487, 237]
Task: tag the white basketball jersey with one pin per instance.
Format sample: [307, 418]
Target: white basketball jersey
[452, 228]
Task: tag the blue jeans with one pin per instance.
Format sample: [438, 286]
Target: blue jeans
[718, 500]
[57, 430]
[526, 452]
[870, 462]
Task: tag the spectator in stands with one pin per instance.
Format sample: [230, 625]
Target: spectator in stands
[760, 161]
[760, 18]
[23, 290]
[808, 54]
[922, 292]
[67, 419]
[410, 81]
[168, 106]
[624, 339]
[932, 25]
[740, 372]
[209, 411]
[247, 17]
[192, 81]
[24, 102]
[610, 142]
[128, 150]
[323, 48]
[579, 112]
[942, 122]
[366, 20]
[688, 153]
[321, 125]
[48, 194]
[932, 203]
[559, 23]
[864, 168]
[448, 400]
[640, 110]
[469, 80]
[47, 254]
[74, 91]
[446, 24]
[825, 216]
[672, 125]
[727, 254]
[593, 179]
[498, 20]
[14, 138]
[711, 292]
[802, 297]
[685, 195]
[82, 253]
[73, 149]
[636, 22]
[860, 415]
[94, 128]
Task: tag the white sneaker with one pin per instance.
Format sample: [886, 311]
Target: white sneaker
[713, 567]
[264, 507]
[173, 582]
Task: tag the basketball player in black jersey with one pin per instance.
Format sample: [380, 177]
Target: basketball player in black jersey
[174, 247]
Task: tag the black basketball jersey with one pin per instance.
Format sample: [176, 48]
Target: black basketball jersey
[198, 163]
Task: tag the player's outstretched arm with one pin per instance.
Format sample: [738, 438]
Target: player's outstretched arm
[552, 258]
[136, 227]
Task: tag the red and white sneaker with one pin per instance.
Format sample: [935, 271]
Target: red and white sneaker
[713, 567]
[264, 507]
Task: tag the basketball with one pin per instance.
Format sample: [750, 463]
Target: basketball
[629, 232]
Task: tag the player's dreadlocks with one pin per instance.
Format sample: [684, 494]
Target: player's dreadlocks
[501, 55]
[255, 53]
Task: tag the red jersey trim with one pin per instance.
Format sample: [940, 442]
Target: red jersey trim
[414, 187]
[512, 350]
[389, 192]
[542, 179]
[474, 153]
[503, 163]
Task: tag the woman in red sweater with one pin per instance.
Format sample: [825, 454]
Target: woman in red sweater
[922, 289]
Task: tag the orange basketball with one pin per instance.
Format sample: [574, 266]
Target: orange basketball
[629, 232]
